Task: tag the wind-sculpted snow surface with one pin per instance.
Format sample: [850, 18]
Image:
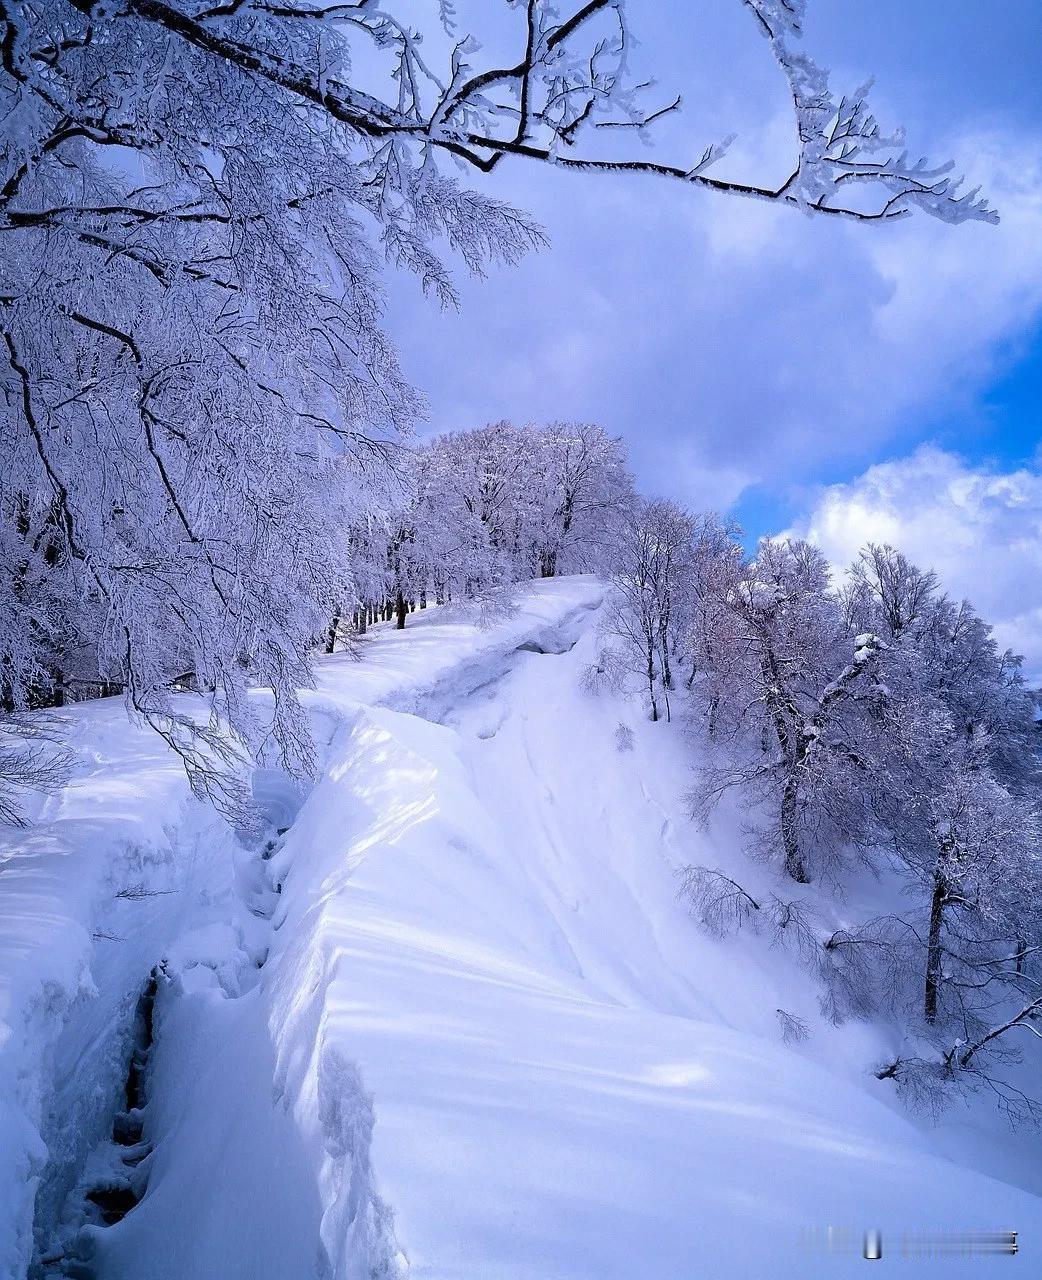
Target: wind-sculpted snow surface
[478, 1035]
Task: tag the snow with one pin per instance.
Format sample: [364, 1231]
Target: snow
[458, 1017]
[68, 971]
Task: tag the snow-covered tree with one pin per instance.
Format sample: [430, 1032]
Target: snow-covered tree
[945, 650]
[892, 728]
[653, 563]
[706, 630]
[582, 489]
[501, 504]
[960, 794]
[793, 680]
[490, 494]
[478, 510]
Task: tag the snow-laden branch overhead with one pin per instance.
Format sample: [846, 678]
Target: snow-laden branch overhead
[570, 76]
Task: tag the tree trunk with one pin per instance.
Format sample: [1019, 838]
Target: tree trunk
[794, 864]
[651, 679]
[667, 673]
[933, 948]
[331, 634]
[400, 611]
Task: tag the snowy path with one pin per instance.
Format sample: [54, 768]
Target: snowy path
[486, 1039]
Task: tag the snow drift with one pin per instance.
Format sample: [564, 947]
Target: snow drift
[450, 1019]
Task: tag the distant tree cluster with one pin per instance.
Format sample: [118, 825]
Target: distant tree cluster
[482, 509]
[871, 721]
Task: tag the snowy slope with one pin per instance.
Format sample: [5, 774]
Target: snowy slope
[478, 1036]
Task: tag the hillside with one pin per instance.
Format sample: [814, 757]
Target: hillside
[449, 1018]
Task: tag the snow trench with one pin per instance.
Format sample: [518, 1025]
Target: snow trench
[87, 909]
[184, 1022]
[99, 1131]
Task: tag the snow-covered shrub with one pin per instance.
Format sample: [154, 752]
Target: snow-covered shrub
[717, 901]
[605, 674]
[794, 1030]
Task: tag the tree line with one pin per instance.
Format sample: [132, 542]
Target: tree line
[482, 509]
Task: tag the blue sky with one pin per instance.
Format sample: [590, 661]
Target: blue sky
[956, 69]
[1000, 426]
[767, 364]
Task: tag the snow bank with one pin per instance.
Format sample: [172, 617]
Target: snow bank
[124, 869]
[570, 1081]
[260, 1086]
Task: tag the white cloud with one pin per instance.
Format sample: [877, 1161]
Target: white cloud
[954, 296]
[978, 527]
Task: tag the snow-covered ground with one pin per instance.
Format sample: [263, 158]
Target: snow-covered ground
[457, 1023]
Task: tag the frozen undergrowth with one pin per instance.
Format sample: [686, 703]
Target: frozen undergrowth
[481, 1007]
